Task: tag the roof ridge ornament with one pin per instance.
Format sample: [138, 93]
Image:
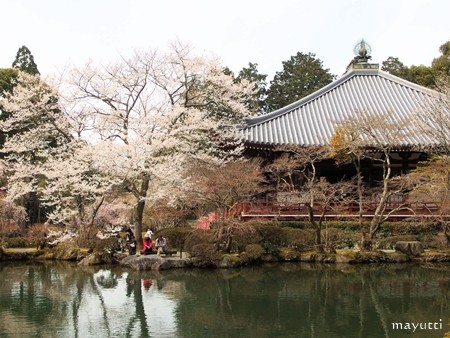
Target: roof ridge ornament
[362, 50]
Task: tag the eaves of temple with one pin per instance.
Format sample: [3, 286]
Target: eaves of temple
[363, 89]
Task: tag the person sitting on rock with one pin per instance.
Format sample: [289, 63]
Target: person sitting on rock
[147, 246]
[160, 244]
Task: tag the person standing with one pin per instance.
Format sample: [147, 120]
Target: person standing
[149, 233]
[131, 240]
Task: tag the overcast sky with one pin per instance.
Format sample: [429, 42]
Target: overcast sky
[66, 32]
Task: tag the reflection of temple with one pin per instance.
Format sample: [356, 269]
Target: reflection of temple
[363, 90]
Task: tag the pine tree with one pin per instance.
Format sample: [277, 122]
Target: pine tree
[25, 61]
[302, 75]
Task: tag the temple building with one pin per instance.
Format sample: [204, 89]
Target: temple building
[363, 89]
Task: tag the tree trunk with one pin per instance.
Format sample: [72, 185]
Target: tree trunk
[366, 241]
[318, 238]
[95, 211]
[229, 240]
[446, 229]
[140, 211]
[317, 227]
[378, 215]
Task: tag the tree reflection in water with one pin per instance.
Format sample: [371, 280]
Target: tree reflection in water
[54, 299]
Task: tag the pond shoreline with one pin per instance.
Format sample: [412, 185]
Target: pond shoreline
[153, 262]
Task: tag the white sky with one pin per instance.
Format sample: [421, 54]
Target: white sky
[66, 32]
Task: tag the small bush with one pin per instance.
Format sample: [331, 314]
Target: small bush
[241, 234]
[17, 242]
[110, 245]
[289, 254]
[243, 239]
[295, 224]
[205, 254]
[87, 238]
[408, 228]
[272, 234]
[37, 234]
[196, 237]
[253, 252]
[270, 248]
[340, 239]
[300, 239]
[68, 251]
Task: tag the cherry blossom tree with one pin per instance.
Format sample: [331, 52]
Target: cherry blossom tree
[154, 112]
[35, 130]
[76, 185]
[43, 156]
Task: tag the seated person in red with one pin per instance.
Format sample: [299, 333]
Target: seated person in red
[147, 246]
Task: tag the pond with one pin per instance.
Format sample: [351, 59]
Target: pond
[56, 299]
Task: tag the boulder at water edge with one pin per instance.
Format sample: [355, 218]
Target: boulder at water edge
[410, 248]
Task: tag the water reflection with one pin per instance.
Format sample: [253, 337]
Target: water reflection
[283, 300]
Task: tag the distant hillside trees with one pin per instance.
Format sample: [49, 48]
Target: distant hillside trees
[427, 76]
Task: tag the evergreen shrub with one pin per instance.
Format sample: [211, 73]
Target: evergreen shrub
[253, 252]
[294, 224]
[339, 238]
[196, 237]
[241, 239]
[409, 228]
[300, 239]
[205, 254]
[271, 234]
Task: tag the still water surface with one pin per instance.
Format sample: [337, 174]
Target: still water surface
[282, 300]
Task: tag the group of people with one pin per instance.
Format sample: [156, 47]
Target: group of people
[160, 243]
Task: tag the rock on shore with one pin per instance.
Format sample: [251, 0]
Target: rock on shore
[153, 262]
[410, 248]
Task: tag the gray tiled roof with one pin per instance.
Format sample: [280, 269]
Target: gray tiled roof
[311, 120]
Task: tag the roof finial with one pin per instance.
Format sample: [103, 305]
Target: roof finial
[362, 51]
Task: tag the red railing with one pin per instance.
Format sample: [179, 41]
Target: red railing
[246, 210]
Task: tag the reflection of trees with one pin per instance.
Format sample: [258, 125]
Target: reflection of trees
[103, 307]
[134, 288]
[107, 281]
[276, 300]
[48, 297]
[313, 301]
[28, 294]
